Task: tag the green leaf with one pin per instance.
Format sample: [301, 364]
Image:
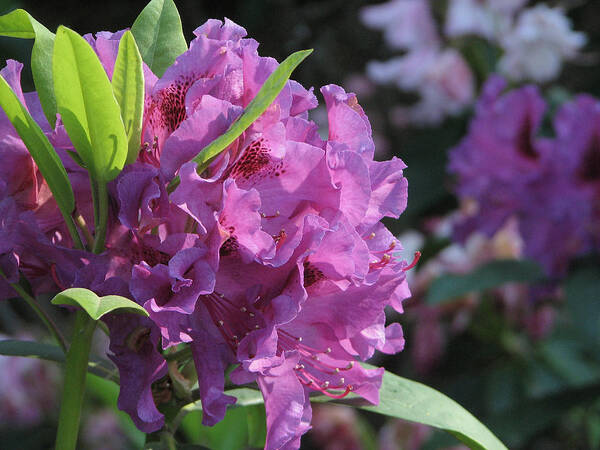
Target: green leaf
[229, 434]
[48, 352]
[403, 399]
[532, 416]
[31, 349]
[257, 425]
[158, 33]
[108, 393]
[96, 306]
[265, 97]
[487, 276]
[40, 149]
[128, 87]
[415, 402]
[20, 24]
[582, 291]
[88, 108]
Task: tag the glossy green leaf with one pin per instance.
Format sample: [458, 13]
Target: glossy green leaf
[96, 306]
[415, 402]
[403, 399]
[257, 425]
[87, 106]
[49, 352]
[128, 87]
[229, 434]
[159, 35]
[107, 393]
[487, 276]
[265, 97]
[20, 24]
[40, 149]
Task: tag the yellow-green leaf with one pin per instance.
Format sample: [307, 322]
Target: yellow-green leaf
[95, 306]
[128, 87]
[88, 107]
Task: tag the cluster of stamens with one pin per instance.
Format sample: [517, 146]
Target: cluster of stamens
[264, 216]
[387, 256]
[279, 238]
[234, 322]
[149, 153]
[311, 365]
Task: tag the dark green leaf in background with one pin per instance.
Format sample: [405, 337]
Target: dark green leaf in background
[582, 290]
[49, 352]
[159, 36]
[487, 276]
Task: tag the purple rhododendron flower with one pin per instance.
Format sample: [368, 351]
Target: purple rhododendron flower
[549, 185]
[272, 259]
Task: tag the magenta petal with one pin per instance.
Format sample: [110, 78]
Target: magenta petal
[287, 405]
[211, 118]
[211, 357]
[348, 123]
[133, 349]
[389, 190]
[394, 339]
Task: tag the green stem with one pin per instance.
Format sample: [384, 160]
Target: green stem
[94, 190]
[102, 220]
[168, 440]
[80, 221]
[73, 231]
[179, 354]
[48, 322]
[74, 384]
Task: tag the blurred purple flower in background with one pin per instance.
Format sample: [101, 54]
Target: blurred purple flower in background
[28, 392]
[549, 185]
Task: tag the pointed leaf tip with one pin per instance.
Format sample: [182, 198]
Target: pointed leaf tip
[95, 306]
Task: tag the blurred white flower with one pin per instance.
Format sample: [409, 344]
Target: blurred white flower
[470, 17]
[490, 19]
[407, 24]
[538, 44]
[506, 6]
[442, 78]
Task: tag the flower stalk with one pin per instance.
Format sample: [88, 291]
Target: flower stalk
[74, 385]
[102, 219]
[48, 322]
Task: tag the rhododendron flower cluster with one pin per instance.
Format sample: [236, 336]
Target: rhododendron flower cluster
[550, 185]
[272, 259]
